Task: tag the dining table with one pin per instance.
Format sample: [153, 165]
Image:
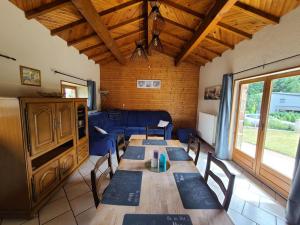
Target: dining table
[159, 193]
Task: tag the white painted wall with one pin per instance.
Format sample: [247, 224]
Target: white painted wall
[32, 45]
[269, 44]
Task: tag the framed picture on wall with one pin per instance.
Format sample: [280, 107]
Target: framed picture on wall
[30, 76]
[154, 84]
[212, 93]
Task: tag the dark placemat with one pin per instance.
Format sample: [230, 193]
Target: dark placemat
[178, 154]
[124, 188]
[134, 152]
[194, 192]
[156, 219]
[154, 142]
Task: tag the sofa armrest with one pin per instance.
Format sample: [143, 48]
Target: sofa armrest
[169, 129]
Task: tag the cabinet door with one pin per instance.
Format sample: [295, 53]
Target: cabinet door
[81, 121]
[45, 180]
[64, 121]
[67, 164]
[82, 152]
[41, 119]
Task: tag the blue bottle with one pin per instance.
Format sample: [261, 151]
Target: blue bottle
[162, 163]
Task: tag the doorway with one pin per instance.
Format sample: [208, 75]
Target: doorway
[268, 128]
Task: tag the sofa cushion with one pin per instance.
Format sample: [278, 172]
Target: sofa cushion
[134, 130]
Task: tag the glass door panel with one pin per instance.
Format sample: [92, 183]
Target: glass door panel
[248, 119]
[283, 126]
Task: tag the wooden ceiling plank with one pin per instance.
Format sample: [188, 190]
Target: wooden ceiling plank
[81, 39]
[126, 22]
[183, 8]
[208, 24]
[146, 27]
[102, 44]
[219, 42]
[179, 25]
[89, 12]
[43, 9]
[102, 13]
[257, 13]
[234, 30]
[211, 51]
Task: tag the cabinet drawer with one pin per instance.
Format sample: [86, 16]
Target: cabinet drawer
[45, 180]
[82, 152]
[67, 163]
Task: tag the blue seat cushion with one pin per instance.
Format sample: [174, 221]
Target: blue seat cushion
[134, 130]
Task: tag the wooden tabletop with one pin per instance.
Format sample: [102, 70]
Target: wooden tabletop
[159, 193]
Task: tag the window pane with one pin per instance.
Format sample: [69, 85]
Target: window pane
[249, 117]
[283, 128]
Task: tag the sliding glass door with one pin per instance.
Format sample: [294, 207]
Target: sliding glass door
[268, 128]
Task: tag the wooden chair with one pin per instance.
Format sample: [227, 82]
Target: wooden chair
[227, 192]
[153, 128]
[99, 184]
[120, 145]
[194, 145]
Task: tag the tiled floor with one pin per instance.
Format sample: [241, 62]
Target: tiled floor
[252, 203]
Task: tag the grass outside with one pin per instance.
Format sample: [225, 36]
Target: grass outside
[281, 141]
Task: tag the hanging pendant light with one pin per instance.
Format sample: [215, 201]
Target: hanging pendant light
[155, 15]
[155, 42]
[139, 52]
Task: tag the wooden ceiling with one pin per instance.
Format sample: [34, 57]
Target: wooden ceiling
[194, 31]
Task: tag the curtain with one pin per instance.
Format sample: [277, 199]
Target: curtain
[91, 94]
[293, 203]
[223, 123]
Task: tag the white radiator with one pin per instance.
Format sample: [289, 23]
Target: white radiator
[206, 127]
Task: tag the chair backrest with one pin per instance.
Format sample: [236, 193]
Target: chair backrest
[150, 132]
[194, 144]
[120, 145]
[97, 182]
[208, 172]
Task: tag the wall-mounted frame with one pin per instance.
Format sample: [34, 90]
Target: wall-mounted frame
[148, 84]
[212, 93]
[30, 76]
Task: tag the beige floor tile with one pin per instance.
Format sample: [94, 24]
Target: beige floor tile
[239, 219]
[77, 190]
[58, 195]
[34, 221]
[82, 203]
[64, 219]
[237, 204]
[74, 179]
[94, 158]
[280, 200]
[281, 221]
[54, 209]
[258, 215]
[87, 180]
[272, 207]
[86, 217]
[86, 168]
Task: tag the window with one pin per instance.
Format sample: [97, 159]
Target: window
[69, 91]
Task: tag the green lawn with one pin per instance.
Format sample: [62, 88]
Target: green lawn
[285, 142]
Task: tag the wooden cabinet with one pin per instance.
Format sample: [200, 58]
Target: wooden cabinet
[67, 163]
[82, 151]
[45, 180]
[64, 121]
[41, 124]
[42, 143]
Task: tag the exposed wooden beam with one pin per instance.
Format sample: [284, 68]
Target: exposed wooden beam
[102, 44]
[234, 30]
[179, 25]
[45, 8]
[88, 11]
[81, 39]
[183, 8]
[102, 13]
[219, 42]
[257, 13]
[145, 12]
[208, 24]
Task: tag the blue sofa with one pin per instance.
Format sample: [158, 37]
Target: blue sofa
[127, 122]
